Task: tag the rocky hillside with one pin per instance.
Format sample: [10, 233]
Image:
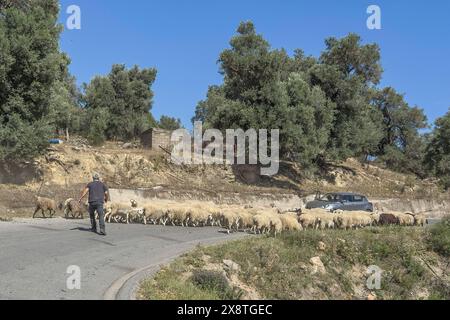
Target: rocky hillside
[67, 167]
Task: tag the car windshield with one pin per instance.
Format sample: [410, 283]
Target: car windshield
[330, 197]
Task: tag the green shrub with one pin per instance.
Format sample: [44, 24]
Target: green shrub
[216, 282]
[439, 237]
[210, 280]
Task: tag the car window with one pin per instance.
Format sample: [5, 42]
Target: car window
[358, 198]
[347, 198]
[330, 197]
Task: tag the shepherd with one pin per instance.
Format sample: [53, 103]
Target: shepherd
[98, 196]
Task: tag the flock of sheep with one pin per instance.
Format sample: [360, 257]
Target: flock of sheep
[231, 217]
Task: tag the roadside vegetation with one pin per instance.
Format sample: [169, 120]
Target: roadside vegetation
[328, 264]
[439, 237]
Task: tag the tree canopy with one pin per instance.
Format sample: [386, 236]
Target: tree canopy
[326, 108]
[437, 158]
[31, 65]
[118, 105]
[169, 123]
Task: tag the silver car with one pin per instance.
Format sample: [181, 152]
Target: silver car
[341, 200]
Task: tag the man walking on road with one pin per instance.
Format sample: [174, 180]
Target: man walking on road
[98, 195]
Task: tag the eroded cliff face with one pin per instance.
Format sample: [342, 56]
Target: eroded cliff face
[430, 207]
[144, 174]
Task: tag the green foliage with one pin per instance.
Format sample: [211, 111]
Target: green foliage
[266, 89]
[437, 158]
[65, 111]
[326, 108]
[30, 66]
[402, 147]
[169, 123]
[439, 237]
[96, 123]
[346, 71]
[124, 99]
[21, 140]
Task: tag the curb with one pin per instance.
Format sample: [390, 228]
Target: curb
[127, 286]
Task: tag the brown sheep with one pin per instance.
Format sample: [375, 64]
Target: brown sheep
[45, 204]
[74, 208]
[387, 218]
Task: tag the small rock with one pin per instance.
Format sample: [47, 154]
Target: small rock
[317, 265]
[231, 265]
[206, 258]
[371, 297]
[322, 246]
[303, 266]
[127, 145]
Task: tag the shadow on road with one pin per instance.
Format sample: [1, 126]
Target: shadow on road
[81, 229]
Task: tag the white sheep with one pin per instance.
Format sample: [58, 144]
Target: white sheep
[420, 220]
[261, 223]
[177, 214]
[137, 214]
[112, 208]
[309, 220]
[245, 220]
[230, 220]
[290, 222]
[199, 217]
[276, 226]
[404, 218]
[353, 219]
[156, 213]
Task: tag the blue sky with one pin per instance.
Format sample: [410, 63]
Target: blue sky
[183, 40]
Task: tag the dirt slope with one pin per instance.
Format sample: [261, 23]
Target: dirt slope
[66, 168]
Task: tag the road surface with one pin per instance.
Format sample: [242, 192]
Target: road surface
[35, 255]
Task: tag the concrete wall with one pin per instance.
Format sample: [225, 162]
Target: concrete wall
[283, 201]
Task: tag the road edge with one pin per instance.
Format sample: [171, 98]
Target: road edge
[117, 290]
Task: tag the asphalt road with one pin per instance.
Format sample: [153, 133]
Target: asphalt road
[35, 255]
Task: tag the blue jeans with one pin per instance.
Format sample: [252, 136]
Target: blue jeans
[97, 207]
